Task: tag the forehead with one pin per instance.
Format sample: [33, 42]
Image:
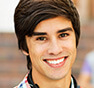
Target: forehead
[56, 23]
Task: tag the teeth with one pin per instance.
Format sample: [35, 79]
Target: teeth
[55, 61]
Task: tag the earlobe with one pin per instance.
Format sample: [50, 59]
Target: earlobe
[24, 52]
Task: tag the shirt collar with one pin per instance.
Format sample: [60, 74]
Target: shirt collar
[32, 85]
[72, 83]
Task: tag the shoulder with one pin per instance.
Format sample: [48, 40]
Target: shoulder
[79, 87]
[24, 83]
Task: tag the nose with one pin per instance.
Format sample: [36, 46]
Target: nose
[55, 48]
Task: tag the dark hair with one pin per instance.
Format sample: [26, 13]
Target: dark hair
[29, 13]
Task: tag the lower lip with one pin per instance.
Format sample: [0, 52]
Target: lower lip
[57, 65]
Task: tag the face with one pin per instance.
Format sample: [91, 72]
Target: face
[52, 48]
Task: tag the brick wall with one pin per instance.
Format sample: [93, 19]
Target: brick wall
[86, 45]
[13, 62]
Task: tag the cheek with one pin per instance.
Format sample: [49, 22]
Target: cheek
[40, 49]
[37, 50]
[71, 48]
[70, 44]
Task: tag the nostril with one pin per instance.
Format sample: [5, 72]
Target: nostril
[54, 48]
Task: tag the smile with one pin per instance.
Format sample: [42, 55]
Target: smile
[55, 63]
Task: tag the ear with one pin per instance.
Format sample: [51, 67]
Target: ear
[24, 52]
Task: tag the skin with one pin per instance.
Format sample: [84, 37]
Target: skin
[53, 39]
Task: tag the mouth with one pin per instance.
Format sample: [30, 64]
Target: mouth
[57, 62]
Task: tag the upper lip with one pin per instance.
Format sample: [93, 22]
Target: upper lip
[55, 58]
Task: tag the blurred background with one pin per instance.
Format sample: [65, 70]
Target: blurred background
[13, 62]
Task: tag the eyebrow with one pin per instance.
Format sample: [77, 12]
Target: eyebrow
[65, 29]
[39, 33]
[44, 33]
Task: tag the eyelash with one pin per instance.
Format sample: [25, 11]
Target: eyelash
[60, 36]
[41, 38]
[63, 35]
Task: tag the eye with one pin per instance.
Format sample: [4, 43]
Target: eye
[63, 35]
[41, 38]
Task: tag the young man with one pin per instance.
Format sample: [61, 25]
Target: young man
[48, 32]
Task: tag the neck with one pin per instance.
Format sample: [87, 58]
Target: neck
[44, 82]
